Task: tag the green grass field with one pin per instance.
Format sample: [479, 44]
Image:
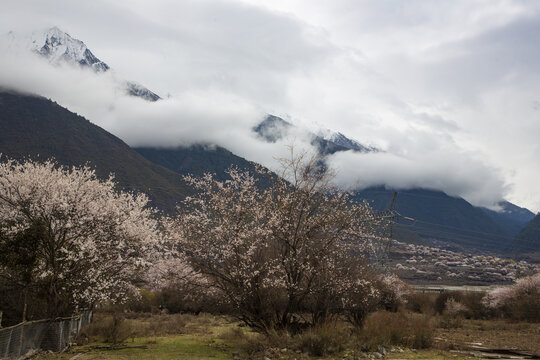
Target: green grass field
[218, 337]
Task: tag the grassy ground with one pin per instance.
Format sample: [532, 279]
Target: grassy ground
[215, 337]
[498, 334]
[157, 337]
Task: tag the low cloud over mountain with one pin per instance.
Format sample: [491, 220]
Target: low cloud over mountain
[442, 118]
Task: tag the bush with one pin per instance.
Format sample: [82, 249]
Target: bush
[144, 303]
[162, 325]
[454, 308]
[422, 333]
[113, 329]
[384, 328]
[394, 293]
[178, 299]
[430, 304]
[117, 327]
[423, 303]
[453, 314]
[324, 339]
[442, 299]
[475, 308]
[519, 302]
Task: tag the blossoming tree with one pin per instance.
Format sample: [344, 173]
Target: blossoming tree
[520, 301]
[290, 246]
[75, 238]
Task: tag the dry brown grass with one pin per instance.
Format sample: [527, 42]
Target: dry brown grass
[406, 329]
[500, 334]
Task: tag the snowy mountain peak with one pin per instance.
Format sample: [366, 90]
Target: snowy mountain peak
[138, 90]
[341, 140]
[58, 46]
[273, 128]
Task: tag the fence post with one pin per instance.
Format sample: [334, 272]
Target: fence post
[25, 305]
[24, 312]
[21, 337]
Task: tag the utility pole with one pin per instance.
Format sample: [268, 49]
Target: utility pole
[388, 217]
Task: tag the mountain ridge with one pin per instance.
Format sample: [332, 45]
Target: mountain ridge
[528, 239]
[274, 128]
[39, 128]
[35, 127]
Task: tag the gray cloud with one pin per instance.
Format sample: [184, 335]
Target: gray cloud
[446, 88]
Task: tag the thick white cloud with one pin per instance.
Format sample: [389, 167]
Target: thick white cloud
[449, 89]
[192, 117]
[456, 174]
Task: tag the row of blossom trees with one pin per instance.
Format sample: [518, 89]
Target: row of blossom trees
[285, 253]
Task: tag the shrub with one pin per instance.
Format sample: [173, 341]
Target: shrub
[454, 308]
[114, 329]
[423, 303]
[145, 302]
[442, 299]
[394, 292]
[324, 339]
[520, 301]
[476, 308]
[180, 298]
[422, 333]
[452, 317]
[384, 328]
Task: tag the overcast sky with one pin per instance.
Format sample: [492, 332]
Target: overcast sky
[450, 90]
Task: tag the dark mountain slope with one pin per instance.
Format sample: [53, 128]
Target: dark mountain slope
[196, 160]
[35, 127]
[512, 218]
[440, 217]
[437, 216]
[528, 239]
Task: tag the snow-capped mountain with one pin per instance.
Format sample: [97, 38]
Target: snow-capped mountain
[273, 128]
[135, 89]
[341, 140]
[59, 47]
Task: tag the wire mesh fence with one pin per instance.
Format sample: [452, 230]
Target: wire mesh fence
[54, 335]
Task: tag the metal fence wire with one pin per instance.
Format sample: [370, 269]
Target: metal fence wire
[54, 335]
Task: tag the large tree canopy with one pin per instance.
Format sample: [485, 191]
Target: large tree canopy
[295, 245]
[70, 237]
